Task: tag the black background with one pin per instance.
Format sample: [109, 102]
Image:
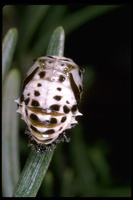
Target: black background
[105, 44]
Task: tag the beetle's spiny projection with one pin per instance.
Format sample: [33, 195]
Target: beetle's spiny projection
[51, 92]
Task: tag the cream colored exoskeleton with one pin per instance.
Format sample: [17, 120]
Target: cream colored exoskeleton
[51, 92]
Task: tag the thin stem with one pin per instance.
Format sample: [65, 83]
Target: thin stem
[37, 164]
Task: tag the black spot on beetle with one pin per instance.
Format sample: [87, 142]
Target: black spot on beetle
[55, 107]
[42, 74]
[26, 112]
[60, 128]
[59, 89]
[53, 120]
[35, 103]
[61, 78]
[74, 108]
[39, 85]
[34, 129]
[34, 117]
[66, 109]
[27, 101]
[22, 98]
[50, 131]
[74, 88]
[63, 119]
[29, 78]
[57, 97]
[67, 102]
[36, 93]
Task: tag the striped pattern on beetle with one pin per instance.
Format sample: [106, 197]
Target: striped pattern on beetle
[51, 92]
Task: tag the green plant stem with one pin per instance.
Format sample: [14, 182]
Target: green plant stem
[88, 13]
[33, 174]
[56, 46]
[33, 16]
[37, 164]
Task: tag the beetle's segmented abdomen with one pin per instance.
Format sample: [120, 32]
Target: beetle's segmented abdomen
[51, 91]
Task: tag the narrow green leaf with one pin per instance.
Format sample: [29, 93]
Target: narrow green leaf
[100, 165]
[33, 174]
[85, 174]
[34, 14]
[86, 14]
[48, 183]
[56, 45]
[8, 47]
[37, 164]
[66, 187]
[10, 143]
[52, 20]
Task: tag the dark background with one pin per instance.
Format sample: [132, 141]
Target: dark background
[106, 45]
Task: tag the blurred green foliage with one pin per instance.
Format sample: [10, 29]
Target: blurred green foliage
[78, 169]
[10, 128]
